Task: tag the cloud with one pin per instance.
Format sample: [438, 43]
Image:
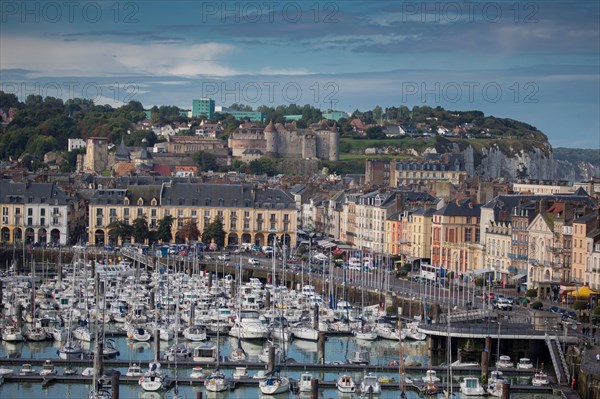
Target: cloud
[284, 71]
[55, 57]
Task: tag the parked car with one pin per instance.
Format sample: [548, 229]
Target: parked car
[503, 304]
[254, 261]
[224, 257]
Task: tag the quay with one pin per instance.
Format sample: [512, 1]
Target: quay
[250, 382]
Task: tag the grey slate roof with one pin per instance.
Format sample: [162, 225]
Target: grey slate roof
[32, 193]
[453, 209]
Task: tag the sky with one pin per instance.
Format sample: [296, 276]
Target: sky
[534, 61]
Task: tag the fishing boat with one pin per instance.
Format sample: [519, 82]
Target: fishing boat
[540, 379]
[470, 386]
[370, 385]
[345, 384]
[305, 383]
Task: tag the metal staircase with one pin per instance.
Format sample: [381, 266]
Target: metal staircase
[558, 359]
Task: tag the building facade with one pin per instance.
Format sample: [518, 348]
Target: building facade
[248, 214]
[37, 211]
[203, 107]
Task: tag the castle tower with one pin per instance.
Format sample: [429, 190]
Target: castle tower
[334, 143]
[96, 155]
[271, 137]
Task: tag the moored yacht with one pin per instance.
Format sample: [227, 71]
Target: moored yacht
[274, 384]
[470, 386]
[370, 385]
[153, 379]
[345, 384]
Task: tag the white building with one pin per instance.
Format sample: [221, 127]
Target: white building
[75, 144]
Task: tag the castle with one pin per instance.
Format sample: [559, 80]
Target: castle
[320, 141]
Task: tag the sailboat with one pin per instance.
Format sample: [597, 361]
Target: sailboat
[98, 391]
[153, 379]
[274, 383]
[216, 381]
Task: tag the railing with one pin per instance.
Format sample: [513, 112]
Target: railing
[558, 359]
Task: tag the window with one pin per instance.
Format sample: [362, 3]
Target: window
[29, 211]
[43, 212]
[126, 213]
[140, 212]
[4, 215]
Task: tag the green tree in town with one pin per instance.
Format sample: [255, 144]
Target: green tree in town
[163, 232]
[579, 306]
[140, 229]
[119, 229]
[214, 231]
[189, 231]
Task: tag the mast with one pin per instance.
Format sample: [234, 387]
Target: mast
[98, 366]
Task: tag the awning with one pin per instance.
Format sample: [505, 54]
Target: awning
[326, 244]
[519, 276]
[337, 251]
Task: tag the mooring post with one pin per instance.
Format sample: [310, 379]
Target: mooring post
[321, 347]
[115, 378]
[271, 364]
[199, 395]
[157, 343]
[485, 358]
[314, 388]
[19, 315]
[506, 390]
[268, 300]
[316, 317]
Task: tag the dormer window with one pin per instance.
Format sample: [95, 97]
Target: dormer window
[126, 201]
[140, 202]
[154, 202]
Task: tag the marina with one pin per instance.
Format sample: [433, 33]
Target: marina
[220, 334]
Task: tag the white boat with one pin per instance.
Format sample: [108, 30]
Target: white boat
[504, 362]
[274, 384]
[431, 377]
[177, 352]
[48, 368]
[216, 382]
[540, 379]
[70, 350]
[36, 334]
[83, 334]
[238, 354]
[460, 363]
[260, 375]
[345, 384]
[11, 333]
[524, 364]
[386, 331]
[495, 383]
[305, 383]
[139, 334]
[134, 371]
[249, 326]
[204, 353]
[470, 386]
[153, 380]
[240, 373]
[197, 372]
[110, 349]
[370, 385]
[305, 331]
[195, 333]
[366, 335]
[27, 369]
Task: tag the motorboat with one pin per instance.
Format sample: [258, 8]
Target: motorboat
[305, 383]
[48, 368]
[195, 333]
[216, 382]
[70, 350]
[240, 373]
[27, 369]
[370, 385]
[470, 386]
[495, 383]
[177, 352]
[345, 384]
[260, 375]
[540, 379]
[139, 334]
[197, 372]
[460, 363]
[274, 384]
[504, 362]
[153, 379]
[524, 364]
[109, 349]
[134, 371]
[431, 377]
[249, 326]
